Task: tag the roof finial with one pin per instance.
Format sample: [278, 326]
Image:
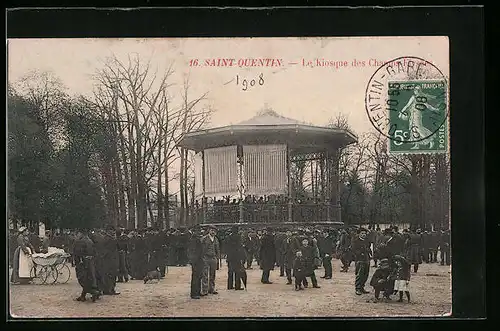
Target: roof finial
[267, 111]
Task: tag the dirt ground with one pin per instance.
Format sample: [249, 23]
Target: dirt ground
[430, 290]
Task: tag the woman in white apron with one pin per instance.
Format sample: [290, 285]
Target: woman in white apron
[22, 259]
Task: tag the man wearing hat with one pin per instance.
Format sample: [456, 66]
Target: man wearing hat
[444, 247]
[123, 251]
[267, 255]
[22, 264]
[361, 250]
[111, 260]
[182, 245]
[195, 255]
[325, 245]
[84, 254]
[235, 259]
[251, 245]
[211, 253]
[344, 250]
[289, 249]
[414, 244]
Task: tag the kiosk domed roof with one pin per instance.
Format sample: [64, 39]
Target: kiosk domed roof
[268, 127]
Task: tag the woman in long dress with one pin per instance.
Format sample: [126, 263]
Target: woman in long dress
[22, 264]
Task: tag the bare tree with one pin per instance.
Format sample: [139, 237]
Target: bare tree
[193, 118]
[138, 90]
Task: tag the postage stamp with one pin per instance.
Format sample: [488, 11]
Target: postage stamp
[406, 101]
[416, 109]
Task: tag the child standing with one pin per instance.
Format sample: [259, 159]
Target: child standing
[299, 266]
[402, 277]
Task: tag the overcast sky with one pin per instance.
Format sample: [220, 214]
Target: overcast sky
[309, 94]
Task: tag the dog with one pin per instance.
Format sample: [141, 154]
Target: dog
[154, 274]
[242, 274]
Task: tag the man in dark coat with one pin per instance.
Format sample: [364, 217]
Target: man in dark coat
[344, 250]
[98, 240]
[134, 255]
[426, 241]
[278, 243]
[123, 251]
[84, 255]
[258, 244]
[173, 259]
[414, 244]
[288, 249]
[163, 242]
[107, 262]
[380, 246]
[156, 246]
[267, 255]
[325, 245]
[112, 261]
[377, 240]
[433, 246]
[396, 242]
[361, 251]
[235, 259]
[69, 244]
[182, 245]
[444, 247]
[250, 244]
[195, 255]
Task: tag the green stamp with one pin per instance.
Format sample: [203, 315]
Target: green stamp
[418, 114]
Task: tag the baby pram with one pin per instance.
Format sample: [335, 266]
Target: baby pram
[50, 267]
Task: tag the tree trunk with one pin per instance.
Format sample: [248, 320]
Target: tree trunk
[150, 210]
[441, 209]
[414, 191]
[182, 188]
[166, 203]
[128, 218]
[121, 193]
[114, 194]
[424, 191]
[133, 221]
[186, 198]
[159, 196]
[108, 192]
[165, 206]
[193, 194]
[141, 185]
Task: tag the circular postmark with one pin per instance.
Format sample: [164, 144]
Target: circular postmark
[406, 99]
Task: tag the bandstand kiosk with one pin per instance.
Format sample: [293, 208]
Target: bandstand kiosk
[255, 158]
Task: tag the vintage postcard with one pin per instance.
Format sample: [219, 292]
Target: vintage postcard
[229, 177]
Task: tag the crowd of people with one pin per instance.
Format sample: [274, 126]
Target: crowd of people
[103, 257]
[273, 208]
